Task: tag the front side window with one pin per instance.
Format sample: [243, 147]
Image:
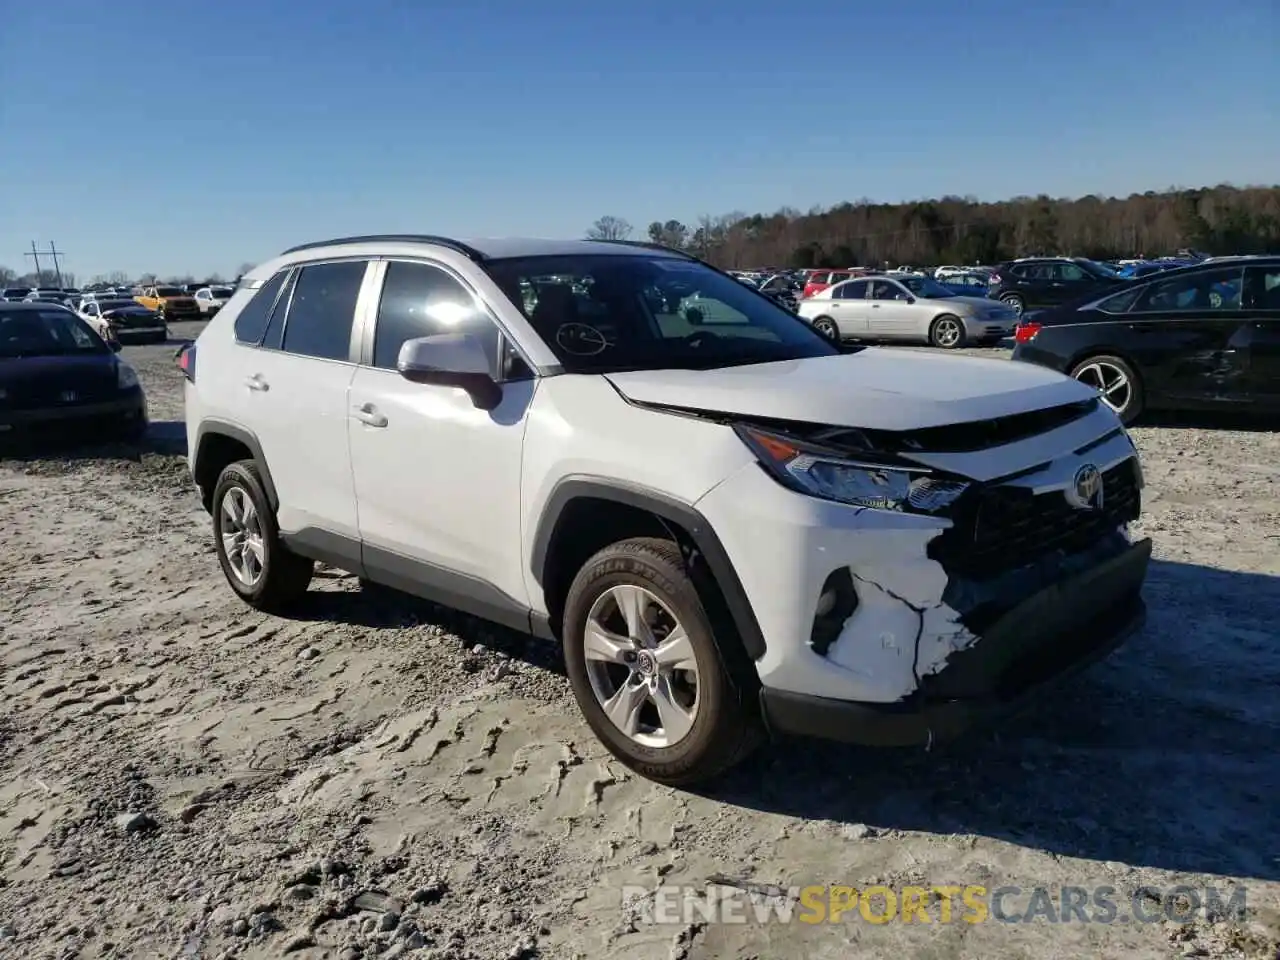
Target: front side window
[1263, 288]
[251, 322]
[420, 300]
[1210, 290]
[887, 290]
[601, 313]
[322, 309]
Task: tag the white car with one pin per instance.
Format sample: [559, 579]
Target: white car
[209, 300]
[907, 309]
[123, 319]
[730, 527]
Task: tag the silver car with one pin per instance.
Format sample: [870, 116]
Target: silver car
[906, 309]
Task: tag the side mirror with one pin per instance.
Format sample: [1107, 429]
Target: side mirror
[910, 299]
[451, 360]
[694, 317]
[115, 345]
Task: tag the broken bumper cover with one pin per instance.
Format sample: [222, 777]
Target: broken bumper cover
[1053, 633]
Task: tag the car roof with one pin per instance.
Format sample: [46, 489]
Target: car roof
[32, 306]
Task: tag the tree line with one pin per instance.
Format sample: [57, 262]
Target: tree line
[116, 278]
[961, 230]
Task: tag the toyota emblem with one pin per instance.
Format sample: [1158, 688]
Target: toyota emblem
[1086, 490]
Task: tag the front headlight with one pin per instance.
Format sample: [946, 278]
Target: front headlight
[862, 482]
[126, 377]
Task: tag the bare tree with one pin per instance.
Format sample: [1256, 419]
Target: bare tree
[117, 278]
[7, 276]
[244, 268]
[609, 228]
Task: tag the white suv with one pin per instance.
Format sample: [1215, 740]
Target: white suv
[731, 525]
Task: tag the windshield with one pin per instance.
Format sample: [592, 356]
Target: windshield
[168, 292]
[106, 305]
[45, 333]
[602, 313]
[924, 287]
[221, 293]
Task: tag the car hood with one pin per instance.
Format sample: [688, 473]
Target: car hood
[980, 304]
[876, 388]
[138, 311]
[16, 372]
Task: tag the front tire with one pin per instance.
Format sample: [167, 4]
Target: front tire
[947, 332]
[262, 571]
[1015, 302]
[646, 669]
[1117, 384]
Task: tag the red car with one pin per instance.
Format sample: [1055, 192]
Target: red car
[819, 280]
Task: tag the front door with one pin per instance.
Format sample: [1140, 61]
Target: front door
[848, 308]
[438, 480]
[1262, 308]
[892, 314]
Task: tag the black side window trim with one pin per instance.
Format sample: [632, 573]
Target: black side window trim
[270, 310]
[281, 309]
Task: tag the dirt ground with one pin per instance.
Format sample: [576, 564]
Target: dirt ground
[183, 777]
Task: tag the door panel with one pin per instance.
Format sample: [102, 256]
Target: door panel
[891, 316]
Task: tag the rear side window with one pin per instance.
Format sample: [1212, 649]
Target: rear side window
[322, 310]
[1120, 302]
[819, 277]
[251, 323]
[857, 290]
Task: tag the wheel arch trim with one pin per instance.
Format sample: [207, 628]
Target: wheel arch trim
[667, 508]
[223, 428]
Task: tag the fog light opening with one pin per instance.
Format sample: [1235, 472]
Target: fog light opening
[837, 602]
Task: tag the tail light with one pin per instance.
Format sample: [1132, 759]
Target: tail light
[1025, 332]
[186, 361]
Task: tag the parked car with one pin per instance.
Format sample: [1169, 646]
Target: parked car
[966, 284]
[1037, 282]
[124, 320]
[1145, 268]
[1199, 337]
[58, 378]
[209, 300]
[14, 294]
[729, 528]
[906, 308]
[46, 295]
[819, 280]
[170, 302]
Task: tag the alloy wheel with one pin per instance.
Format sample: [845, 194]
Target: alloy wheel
[1110, 381]
[240, 528]
[641, 666]
[1015, 303]
[946, 333]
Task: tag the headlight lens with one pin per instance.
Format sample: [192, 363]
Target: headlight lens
[126, 376]
[832, 475]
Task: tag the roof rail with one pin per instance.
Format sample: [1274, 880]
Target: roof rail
[646, 245]
[456, 245]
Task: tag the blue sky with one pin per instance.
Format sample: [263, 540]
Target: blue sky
[185, 137]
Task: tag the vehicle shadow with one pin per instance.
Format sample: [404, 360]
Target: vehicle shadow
[163, 438]
[1248, 421]
[1162, 756]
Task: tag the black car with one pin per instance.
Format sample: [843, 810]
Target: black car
[124, 320]
[1037, 282]
[59, 380]
[1200, 337]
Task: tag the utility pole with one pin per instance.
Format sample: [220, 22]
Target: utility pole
[36, 254]
[54, 254]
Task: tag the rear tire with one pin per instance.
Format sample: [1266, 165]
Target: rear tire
[827, 327]
[715, 727]
[262, 571]
[1014, 301]
[1117, 383]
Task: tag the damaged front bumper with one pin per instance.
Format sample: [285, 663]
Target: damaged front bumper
[1064, 626]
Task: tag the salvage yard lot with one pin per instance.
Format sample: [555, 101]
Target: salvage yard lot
[182, 776]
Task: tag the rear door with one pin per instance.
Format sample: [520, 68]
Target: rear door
[1190, 337]
[848, 307]
[291, 390]
[1262, 329]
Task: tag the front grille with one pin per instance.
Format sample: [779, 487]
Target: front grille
[1003, 528]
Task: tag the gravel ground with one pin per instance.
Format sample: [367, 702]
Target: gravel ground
[183, 777]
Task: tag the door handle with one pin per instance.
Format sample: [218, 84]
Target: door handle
[368, 414]
[876, 306]
[257, 383]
